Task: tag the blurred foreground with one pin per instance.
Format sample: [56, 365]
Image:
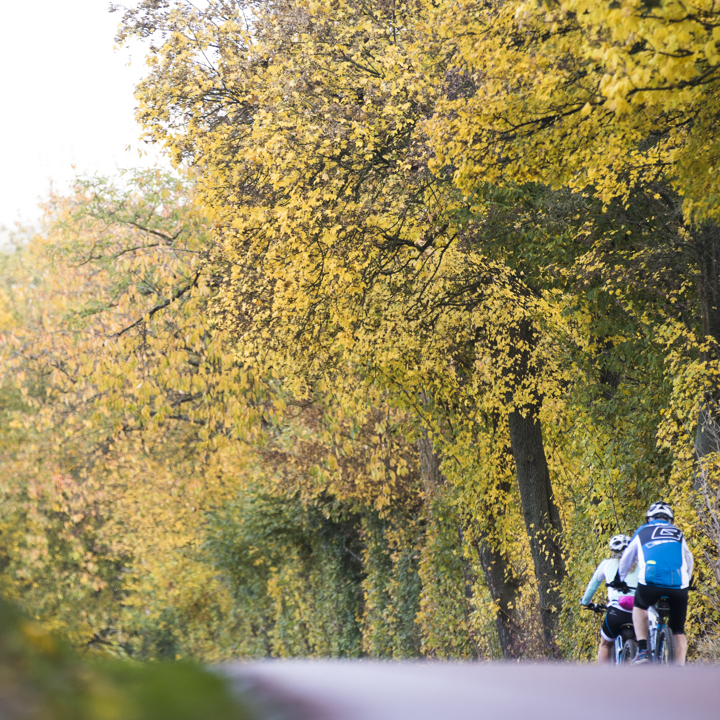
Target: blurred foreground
[357, 690]
[41, 679]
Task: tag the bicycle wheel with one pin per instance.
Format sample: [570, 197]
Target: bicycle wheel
[629, 651]
[665, 648]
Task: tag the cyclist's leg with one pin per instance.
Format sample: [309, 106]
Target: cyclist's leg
[611, 628]
[605, 651]
[640, 623]
[678, 613]
[680, 648]
[644, 597]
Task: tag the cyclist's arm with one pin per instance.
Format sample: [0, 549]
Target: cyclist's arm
[688, 557]
[594, 584]
[629, 558]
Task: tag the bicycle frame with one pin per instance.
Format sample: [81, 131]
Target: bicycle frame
[661, 639]
[657, 627]
[627, 634]
[654, 622]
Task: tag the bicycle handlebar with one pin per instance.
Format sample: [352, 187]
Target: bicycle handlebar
[595, 608]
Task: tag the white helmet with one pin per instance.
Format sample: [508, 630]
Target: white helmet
[660, 510]
[619, 542]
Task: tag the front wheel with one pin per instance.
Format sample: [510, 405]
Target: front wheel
[665, 648]
[629, 650]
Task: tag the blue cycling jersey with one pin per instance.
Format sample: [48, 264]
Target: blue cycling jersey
[662, 555]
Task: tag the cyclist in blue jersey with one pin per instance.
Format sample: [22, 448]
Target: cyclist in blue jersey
[616, 615]
[665, 565]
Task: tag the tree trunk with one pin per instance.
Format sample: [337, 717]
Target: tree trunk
[504, 588]
[707, 245]
[501, 581]
[429, 465]
[542, 518]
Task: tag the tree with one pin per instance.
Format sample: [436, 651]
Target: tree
[611, 98]
[118, 378]
[344, 246]
[414, 247]
[132, 464]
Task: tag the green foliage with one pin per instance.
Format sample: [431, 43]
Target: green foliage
[41, 678]
[319, 579]
[392, 587]
[447, 615]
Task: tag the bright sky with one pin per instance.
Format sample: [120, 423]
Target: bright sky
[67, 99]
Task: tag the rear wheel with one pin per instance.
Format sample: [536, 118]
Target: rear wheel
[665, 648]
[629, 651]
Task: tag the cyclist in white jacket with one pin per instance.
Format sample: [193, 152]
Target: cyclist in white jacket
[616, 615]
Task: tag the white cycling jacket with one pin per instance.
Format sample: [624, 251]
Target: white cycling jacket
[606, 572]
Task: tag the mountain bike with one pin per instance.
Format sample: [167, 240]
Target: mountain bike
[661, 643]
[625, 643]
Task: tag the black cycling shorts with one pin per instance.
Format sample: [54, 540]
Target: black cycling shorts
[647, 595]
[614, 620]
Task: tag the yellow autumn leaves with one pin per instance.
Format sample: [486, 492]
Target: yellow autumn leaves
[403, 223]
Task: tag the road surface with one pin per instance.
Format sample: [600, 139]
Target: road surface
[371, 690]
